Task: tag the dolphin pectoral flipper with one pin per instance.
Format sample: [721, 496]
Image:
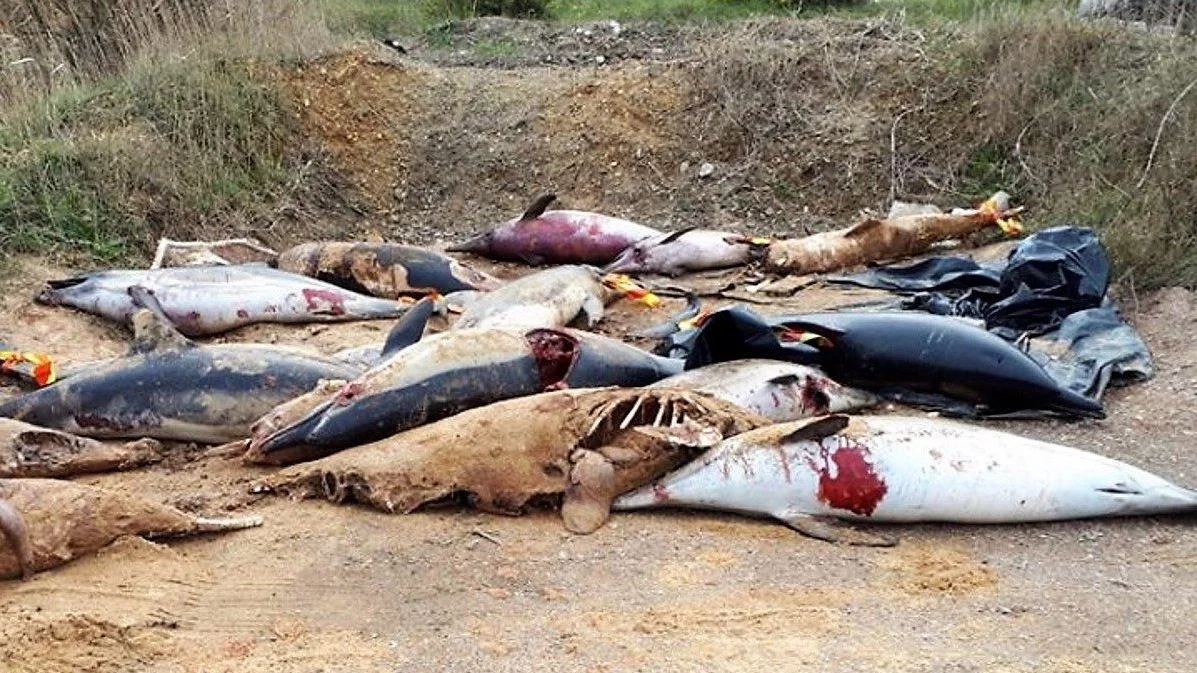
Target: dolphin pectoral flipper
[817, 428]
[833, 530]
[587, 502]
[592, 308]
[12, 525]
[152, 329]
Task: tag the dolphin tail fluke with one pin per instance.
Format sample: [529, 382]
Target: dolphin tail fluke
[220, 525]
[1075, 404]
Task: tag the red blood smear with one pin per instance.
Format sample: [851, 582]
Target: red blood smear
[336, 304]
[554, 353]
[814, 398]
[855, 486]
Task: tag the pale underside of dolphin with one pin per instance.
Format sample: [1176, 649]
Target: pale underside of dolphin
[808, 474]
[201, 300]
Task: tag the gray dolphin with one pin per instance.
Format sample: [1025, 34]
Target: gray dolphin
[169, 387]
[450, 372]
[203, 300]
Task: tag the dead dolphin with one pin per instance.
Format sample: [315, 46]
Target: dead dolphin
[807, 474]
[688, 250]
[49, 522]
[557, 236]
[779, 391]
[877, 239]
[31, 451]
[203, 300]
[550, 298]
[931, 354]
[169, 387]
[584, 446]
[453, 371]
[406, 331]
[386, 270]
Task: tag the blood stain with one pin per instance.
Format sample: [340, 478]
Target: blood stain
[855, 486]
[336, 304]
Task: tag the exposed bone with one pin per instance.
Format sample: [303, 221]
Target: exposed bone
[532, 453]
[229, 251]
[631, 414]
[65, 520]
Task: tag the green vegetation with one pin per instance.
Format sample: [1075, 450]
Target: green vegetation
[373, 17]
[104, 169]
[183, 132]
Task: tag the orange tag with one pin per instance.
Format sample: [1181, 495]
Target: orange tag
[760, 240]
[1009, 225]
[697, 320]
[631, 289]
[44, 373]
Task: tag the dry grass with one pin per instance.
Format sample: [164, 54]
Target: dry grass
[1070, 114]
[1063, 113]
[165, 117]
[124, 121]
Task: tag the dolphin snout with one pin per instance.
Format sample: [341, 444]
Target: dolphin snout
[622, 264]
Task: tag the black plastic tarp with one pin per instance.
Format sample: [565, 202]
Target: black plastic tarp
[1051, 287]
[1050, 275]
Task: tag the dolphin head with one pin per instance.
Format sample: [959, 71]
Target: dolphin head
[355, 417]
[480, 243]
[635, 257]
[56, 291]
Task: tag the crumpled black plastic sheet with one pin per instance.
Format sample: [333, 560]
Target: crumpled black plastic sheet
[1052, 286]
[1093, 349]
[1050, 275]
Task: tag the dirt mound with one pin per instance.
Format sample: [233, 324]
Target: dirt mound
[720, 138]
[360, 107]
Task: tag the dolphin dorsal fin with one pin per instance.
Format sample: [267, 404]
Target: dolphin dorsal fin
[817, 428]
[862, 227]
[537, 207]
[673, 236]
[410, 328]
[152, 330]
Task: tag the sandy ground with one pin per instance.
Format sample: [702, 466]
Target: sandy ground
[326, 588]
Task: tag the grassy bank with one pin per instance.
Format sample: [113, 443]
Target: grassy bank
[409, 17]
[123, 122]
[103, 169]
[184, 132]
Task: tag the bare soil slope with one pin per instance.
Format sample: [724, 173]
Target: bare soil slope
[327, 588]
[443, 144]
